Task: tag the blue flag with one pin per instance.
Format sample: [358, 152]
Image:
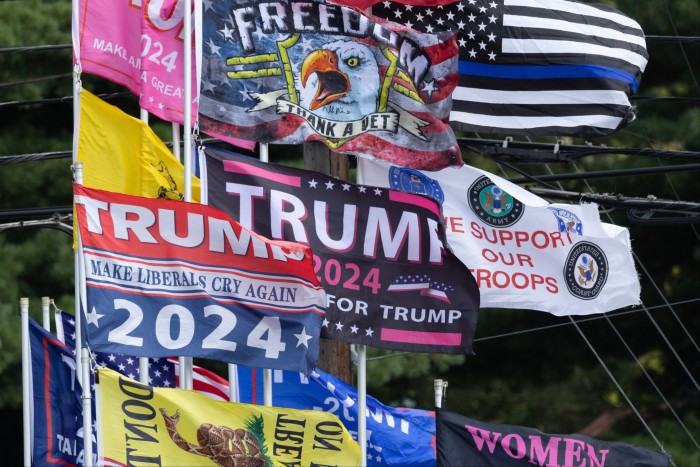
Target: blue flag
[395, 436]
[57, 437]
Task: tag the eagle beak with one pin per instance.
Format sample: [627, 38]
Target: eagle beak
[332, 83]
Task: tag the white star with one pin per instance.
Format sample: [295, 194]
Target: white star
[482, 27]
[409, 7]
[208, 85]
[420, 16]
[346, 187]
[130, 361]
[379, 458]
[362, 189]
[207, 4]
[339, 326]
[429, 87]
[121, 367]
[313, 183]
[471, 17]
[482, 9]
[166, 383]
[482, 45]
[450, 16]
[492, 56]
[71, 321]
[227, 33]
[492, 37]
[160, 106]
[354, 329]
[398, 14]
[377, 192]
[214, 48]
[492, 19]
[94, 317]
[429, 29]
[131, 375]
[409, 24]
[461, 24]
[369, 332]
[165, 367]
[112, 358]
[157, 373]
[462, 42]
[303, 338]
[493, 5]
[329, 185]
[471, 35]
[325, 323]
[429, 11]
[460, 7]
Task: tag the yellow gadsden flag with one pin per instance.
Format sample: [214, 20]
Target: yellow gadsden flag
[121, 153]
[141, 425]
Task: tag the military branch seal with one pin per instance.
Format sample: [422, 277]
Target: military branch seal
[586, 270]
[493, 205]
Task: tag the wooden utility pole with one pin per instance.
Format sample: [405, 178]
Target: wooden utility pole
[334, 356]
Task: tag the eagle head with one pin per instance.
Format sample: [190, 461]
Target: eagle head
[340, 80]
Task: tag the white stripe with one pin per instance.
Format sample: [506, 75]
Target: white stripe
[578, 8]
[530, 46]
[572, 97]
[568, 26]
[600, 121]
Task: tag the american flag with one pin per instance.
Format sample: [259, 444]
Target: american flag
[422, 283]
[162, 372]
[534, 67]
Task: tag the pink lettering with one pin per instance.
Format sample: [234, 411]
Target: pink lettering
[480, 436]
[520, 451]
[546, 456]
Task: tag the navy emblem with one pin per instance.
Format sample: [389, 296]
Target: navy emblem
[413, 181]
[568, 221]
[586, 270]
[493, 205]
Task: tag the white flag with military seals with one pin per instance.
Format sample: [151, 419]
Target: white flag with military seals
[524, 252]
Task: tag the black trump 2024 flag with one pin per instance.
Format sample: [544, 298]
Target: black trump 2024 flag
[465, 441]
[380, 254]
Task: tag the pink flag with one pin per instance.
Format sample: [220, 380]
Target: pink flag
[140, 45]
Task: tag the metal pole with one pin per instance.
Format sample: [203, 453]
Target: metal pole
[26, 394]
[233, 395]
[46, 319]
[87, 408]
[362, 401]
[267, 373]
[79, 266]
[186, 362]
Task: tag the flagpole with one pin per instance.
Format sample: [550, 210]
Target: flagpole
[26, 395]
[176, 142]
[233, 395]
[267, 373]
[46, 319]
[87, 408]
[143, 361]
[186, 362]
[362, 401]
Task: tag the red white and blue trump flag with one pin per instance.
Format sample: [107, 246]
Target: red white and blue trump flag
[380, 254]
[289, 72]
[168, 277]
[524, 252]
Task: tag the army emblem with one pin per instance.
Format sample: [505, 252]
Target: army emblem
[493, 205]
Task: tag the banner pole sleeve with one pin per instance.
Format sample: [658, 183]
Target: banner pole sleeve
[437, 386]
[362, 401]
[26, 393]
[267, 373]
[45, 317]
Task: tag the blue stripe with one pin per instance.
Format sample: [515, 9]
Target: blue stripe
[546, 72]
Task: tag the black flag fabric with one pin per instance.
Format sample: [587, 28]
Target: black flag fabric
[465, 441]
[533, 67]
[379, 254]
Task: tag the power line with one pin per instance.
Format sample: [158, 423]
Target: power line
[611, 173]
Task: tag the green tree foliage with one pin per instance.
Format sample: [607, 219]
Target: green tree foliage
[549, 378]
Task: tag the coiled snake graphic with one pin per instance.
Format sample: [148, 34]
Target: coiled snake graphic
[223, 445]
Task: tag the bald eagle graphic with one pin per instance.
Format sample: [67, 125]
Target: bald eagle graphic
[340, 81]
[587, 272]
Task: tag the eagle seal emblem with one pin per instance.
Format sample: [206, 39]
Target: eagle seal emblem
[586, 270]
[493, 205]
[413, 181]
